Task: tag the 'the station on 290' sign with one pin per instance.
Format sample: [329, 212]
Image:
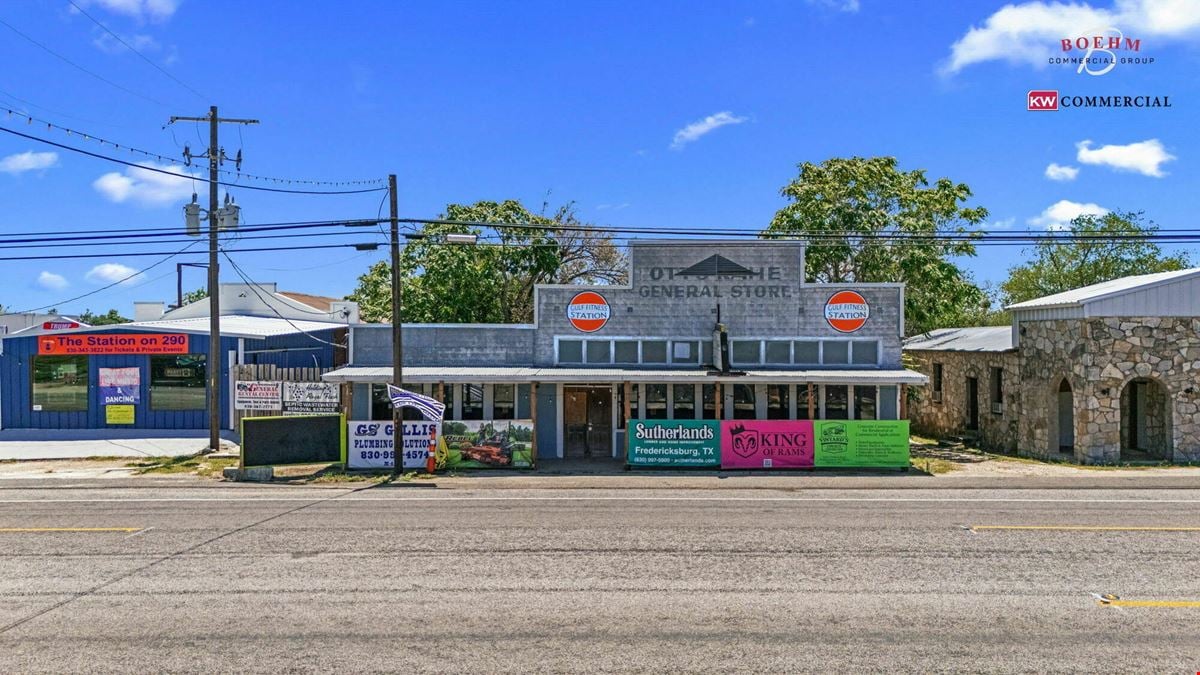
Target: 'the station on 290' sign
[114, 343]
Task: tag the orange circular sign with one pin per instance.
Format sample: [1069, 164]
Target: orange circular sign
[847, 311]
[588, 311]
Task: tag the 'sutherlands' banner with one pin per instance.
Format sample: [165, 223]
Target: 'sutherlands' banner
[113, 343]
[673, 443]
[485, 444]
[766, 444]
[370, 444]
[874, 443]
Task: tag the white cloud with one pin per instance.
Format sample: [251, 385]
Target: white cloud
[111, 273]
[28, 161]
[1061, 173]
[1145, 158]
[695, 130]
[612, 207]
[1058, 215]
[1005, 224]
[142, 10]
[148, 188]
[51, 281]
[1029, 32]
[838, 5]
[105, 42]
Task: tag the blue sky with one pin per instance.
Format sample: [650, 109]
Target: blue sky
[671, 114]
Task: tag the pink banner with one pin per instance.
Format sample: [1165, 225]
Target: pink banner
[766, 444]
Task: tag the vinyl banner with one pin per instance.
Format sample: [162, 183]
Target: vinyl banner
[486, 444]
[369, 444]
[673, 443]
[113, 343]
[258, 396]
[120, 386]
[311, 398]
[864, 443]
[766, 444]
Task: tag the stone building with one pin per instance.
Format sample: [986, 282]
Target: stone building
[1105, 373]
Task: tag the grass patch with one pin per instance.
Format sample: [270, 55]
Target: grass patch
[922, 440]
[199, 465]
[933, 465]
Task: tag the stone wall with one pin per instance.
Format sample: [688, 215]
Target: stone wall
[1100, 357]
[997, 431]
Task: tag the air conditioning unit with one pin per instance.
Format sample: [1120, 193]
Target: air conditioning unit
[937, 397]
[998, 408]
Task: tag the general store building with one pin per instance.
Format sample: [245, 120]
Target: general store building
[704, 330]
[1101, 374]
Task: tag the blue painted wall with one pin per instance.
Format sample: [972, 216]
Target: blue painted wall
[16, 406]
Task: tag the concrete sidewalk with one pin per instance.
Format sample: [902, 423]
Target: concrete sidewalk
[33, 444]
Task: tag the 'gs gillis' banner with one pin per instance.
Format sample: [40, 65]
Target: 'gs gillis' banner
[768, 444]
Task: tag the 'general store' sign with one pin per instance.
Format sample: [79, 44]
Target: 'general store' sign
[113, 343]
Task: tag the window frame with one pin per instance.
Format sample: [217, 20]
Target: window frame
[152, 387]
[87, 373]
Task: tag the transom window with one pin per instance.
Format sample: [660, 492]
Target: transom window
[699, 352]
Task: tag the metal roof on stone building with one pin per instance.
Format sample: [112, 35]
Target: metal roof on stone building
[1156, 283]
[975, 339]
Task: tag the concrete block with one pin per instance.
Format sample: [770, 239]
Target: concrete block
[258, 474]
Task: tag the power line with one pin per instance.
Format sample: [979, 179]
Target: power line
[105, 288]
[79, 67]
[173, 233]
[72, 244]
[349, 222]
[135, 51]
[254, 288]
[186, 176]
[140, 254]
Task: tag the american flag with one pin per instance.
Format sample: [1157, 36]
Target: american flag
[430, 408]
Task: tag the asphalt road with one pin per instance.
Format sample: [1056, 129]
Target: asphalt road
[238, 578]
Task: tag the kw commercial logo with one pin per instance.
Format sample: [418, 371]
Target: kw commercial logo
[1099, 51]
[1050, 99]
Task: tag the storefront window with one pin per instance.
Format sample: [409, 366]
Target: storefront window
[709, 392]
[808, 352]
[625, 351]
[633, 404]
[654, 351]
[779, 352]
[656, 401]
[60, 383]
[836, 352]
[177, 382]
[706, 352]
[743, 402]
[866, 353]
[570, 351]
[381, 403]
[746, 351]
[683, 401]
[836, 402]
[802, 399]
[472, 403]
[684, 352]
[864, 402]
[777, 401]
[504, 402]
[599, 351]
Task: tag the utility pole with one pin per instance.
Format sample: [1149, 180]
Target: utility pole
[215, 156]
[397, 331]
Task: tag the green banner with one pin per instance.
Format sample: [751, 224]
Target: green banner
[874, 443]
[673, 443]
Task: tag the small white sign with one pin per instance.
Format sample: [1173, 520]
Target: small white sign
[258, 396]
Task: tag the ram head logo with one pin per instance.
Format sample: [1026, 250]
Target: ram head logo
[745, 441]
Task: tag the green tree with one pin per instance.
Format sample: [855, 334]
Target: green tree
[108, 319]
[1092, 250]
[493, 281]
[868, 221]
[194, 296]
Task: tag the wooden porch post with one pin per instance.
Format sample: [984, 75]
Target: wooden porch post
[720, 402]
[904, 401]
[533, 449]
[812, 403]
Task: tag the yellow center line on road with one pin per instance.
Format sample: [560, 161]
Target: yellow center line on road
[13, 530]
[1150, 603]
[1088, 528]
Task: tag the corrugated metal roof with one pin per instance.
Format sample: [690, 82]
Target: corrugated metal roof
[1105, 289]
[517, 374]
[978, 339]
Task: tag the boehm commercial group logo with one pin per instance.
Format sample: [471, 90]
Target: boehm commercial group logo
[1050, 99]
[1099, 51]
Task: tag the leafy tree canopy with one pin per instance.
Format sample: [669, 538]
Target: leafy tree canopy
[110, 318]
[492, 281]
[851, 211]
[1124, 247]
[194, 296]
